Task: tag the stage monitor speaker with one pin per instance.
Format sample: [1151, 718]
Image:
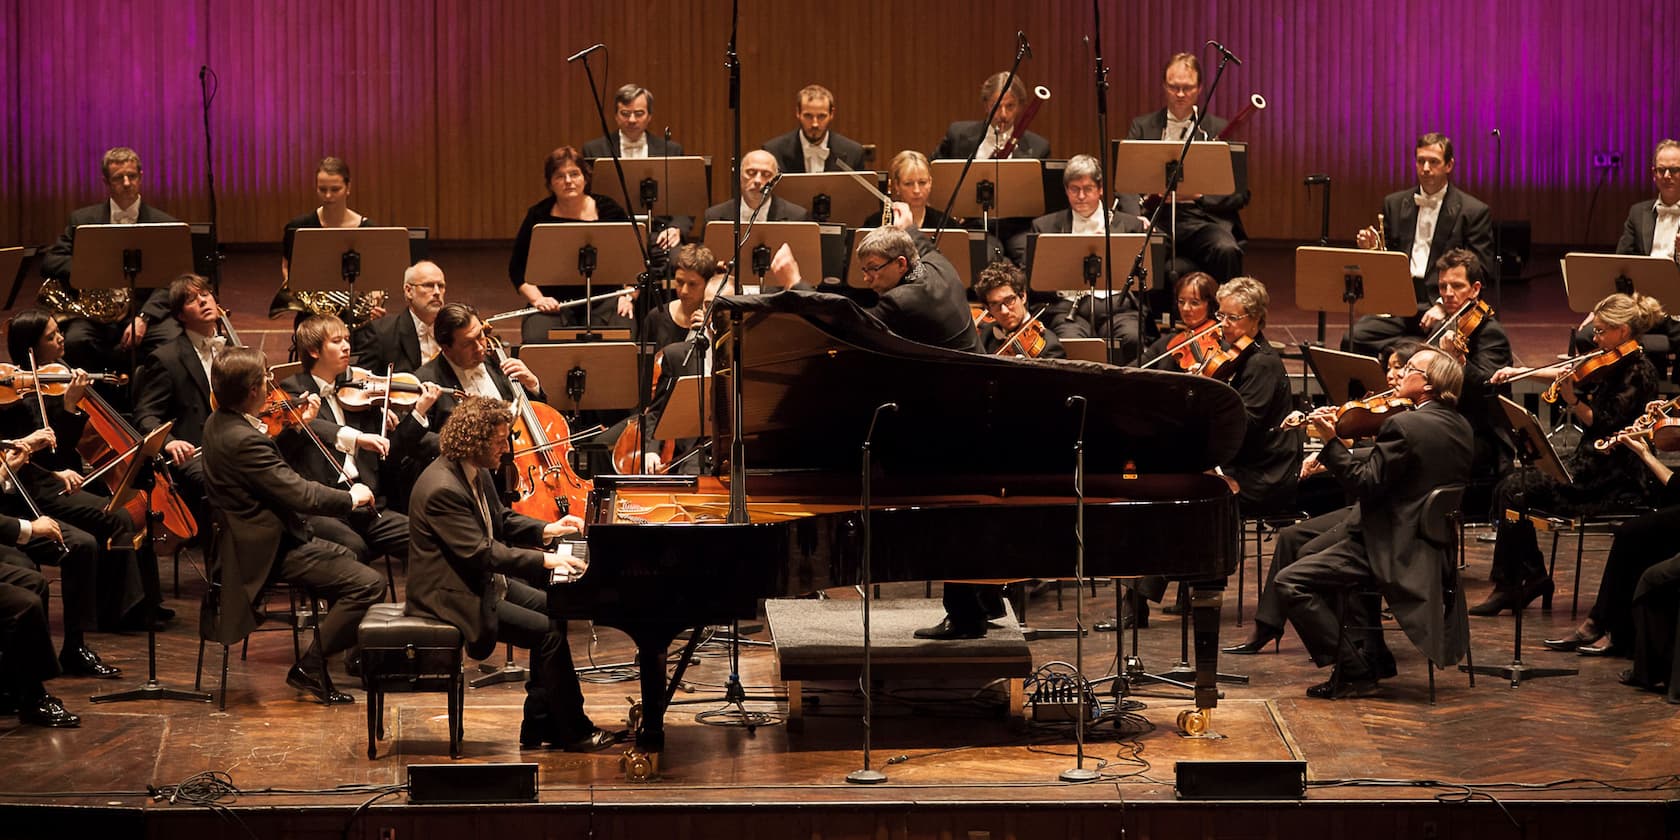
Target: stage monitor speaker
[1240, 779]
[433, 784]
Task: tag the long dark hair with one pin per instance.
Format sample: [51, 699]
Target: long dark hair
[24, 333]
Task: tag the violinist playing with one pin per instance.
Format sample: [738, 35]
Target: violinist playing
[1194, 295]
[362, 439]
[1603, 403]
[1007, 329]
[1474, 336]
[106, 581]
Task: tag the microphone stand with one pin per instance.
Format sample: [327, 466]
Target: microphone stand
[1022, 51]
[645, 288]
[1498, 267]
[868, 775]
[1175, 173]
[208, 84]
[1323, 235]
[1101, 79]
[1078, 772]
[737, 448]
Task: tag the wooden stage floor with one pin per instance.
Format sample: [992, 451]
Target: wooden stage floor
[1575, 756]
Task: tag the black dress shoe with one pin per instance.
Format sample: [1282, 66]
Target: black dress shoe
[1361, 686]
[48, 711]
[163, 612]
[318, 685]
[946, 630]
[1574, 641]
[1605, 648]
[1256, 643]
[83, 662]
[598, 739]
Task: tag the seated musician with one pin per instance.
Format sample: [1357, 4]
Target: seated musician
[1485, 350]
[1008, 329]
[568, 176]
[1652, 229]
[814, 146]
[910, 180]
[1313, 534]
[95, 344]
[1424, 223]
[461, 365]
[633, 109]
[1194, 297]
[175, 384]
[472, 568]
[965, 137]
[1604, 404]
[359, 440]
[692, 268]
[1210, 230]
[106, 582]
[1640, 543]
[26, 654]
[403, 340]
[332, 187]
[1079, 313]
[758, 168]
[265, 505]
[1415, 452]
[689, 355]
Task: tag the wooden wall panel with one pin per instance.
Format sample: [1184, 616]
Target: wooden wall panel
[11, 192]
[445, 108]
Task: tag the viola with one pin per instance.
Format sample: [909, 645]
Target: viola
[1221, 363]
[1590, 365]
[1462, 325]
[1354, 418]
[52, 380]
[543, 484]
[1027, 340]
[1656, 425]
[1188, 348]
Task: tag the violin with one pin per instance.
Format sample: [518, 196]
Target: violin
[542, 482]
[1190, 348]
[52, 380]
[1354, 418]
[365, 388]
[1220, 363]
[1589, 366]
[1656, 424]
[1462, 325]
[1028, 338]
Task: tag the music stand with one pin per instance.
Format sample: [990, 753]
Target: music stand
[681, 419]
[804, 238]
[1073, 261]
[565, 334]
[591, 376]
[956, 244]
[1345, 376]
[678, 184]
[132, 257]
[1086, 349]
[1003, 189]
[843, 197]
[11, 269]
[321, 255]
[1533, 447]
[1590, 278]
[573, 254]
[1366, 282]
[1140, 166]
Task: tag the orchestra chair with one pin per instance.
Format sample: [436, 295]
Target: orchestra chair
[1603, 524]
[1441, 527]
[303, 613]
[1263, 527]
[410, 653]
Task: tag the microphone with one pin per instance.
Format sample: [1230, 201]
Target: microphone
[1316, 179]
[587, 50]
[771, 184]
[1224, 52]
[667, 134]
[1494, 133]
[202, 69]
[1022, 48]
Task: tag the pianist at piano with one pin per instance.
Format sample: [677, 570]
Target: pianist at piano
[474, 564]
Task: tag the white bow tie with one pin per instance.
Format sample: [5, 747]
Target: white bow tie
[628, 145]
[1668, 210]
[215, 344]
[1430, 201]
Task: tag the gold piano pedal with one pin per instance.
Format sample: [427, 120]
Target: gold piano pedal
[1195, 723]
[639, 766]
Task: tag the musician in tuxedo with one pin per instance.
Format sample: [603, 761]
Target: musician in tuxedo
[89, 344]
[758, 168]
[461, 365]
[814, 146]
[633, 110]
[475, 564]
[403, 339]
[965, 137]
[1414, 452]
[265, 506]
[1653, 225]
[26, 653]
[175, 385]
[1076, 313]
[360, 441]
[1209, 232]
[1424, 223]
[1460, 274]
[1003, 289]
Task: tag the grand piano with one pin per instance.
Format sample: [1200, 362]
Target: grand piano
[973, 478]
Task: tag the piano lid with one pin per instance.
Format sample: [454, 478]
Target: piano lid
[815, 366]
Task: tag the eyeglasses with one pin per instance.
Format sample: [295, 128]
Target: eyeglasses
[1226, 317]
[428, 287]
[1005, 302]
[877, 268]
[1665, 171]
[1408, 370]
[1182, 89]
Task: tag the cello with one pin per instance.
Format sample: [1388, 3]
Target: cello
[544, 486]
[108, 441]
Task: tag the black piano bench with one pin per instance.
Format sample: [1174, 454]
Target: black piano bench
[409, 653]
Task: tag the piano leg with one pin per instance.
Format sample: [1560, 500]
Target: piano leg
[641, 762]
[1204, 609]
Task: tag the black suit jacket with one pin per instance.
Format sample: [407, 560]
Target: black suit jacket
[1061, 221]
[173, 387]
[1640, 229]
[391, 340]
[1222, 209]
[930, 304]
[657, 147]
[790, 153]
[263, 502]
[1414, 452]
[55, 262]
[964, 136]
[438, 370]
[303, 455]
[454, 553]
[779, 211]
[1464, 222]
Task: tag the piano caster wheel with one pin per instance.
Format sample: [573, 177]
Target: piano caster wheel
[1195, 722]
[639, 766]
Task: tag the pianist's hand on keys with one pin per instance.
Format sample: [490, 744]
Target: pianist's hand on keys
[567, 561]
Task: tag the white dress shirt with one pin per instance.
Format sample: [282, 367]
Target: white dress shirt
[1429, 209]
[816, 154]
[1668, 225]
[131, 216]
